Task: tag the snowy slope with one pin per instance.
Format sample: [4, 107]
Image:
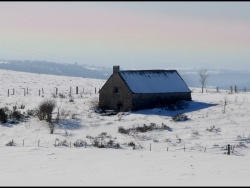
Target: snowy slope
[203, 162]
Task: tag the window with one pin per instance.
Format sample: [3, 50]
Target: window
[116, 90]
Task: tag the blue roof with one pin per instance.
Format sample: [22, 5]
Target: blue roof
[154, 81]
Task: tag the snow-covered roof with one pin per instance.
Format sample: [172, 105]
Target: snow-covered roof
[154, 81]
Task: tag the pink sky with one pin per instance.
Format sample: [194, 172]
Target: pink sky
[78, 31]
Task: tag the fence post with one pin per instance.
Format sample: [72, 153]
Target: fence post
[8, 92]
[167, 148]
[150, 146]
[95, 90]
[70, 143]
[38, 143]
[76, 89]
[23, 91]
[235, 89]
[217, 89]
[39, 92]
[228, 149]
[55, 143]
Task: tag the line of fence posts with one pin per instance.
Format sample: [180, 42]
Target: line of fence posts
[41, 91]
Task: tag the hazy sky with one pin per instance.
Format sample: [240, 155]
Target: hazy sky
[134, 35]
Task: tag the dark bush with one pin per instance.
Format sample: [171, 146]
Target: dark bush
[122, 130]
[3, 116]
[132, 144]
[80, 143]
[11, 143]
[180, 117]
[45, 110]
[31, 112]
[22, 106]
[165, 127]
[16, 115]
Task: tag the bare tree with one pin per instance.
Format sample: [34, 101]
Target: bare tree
[44, 112]
[204, 75]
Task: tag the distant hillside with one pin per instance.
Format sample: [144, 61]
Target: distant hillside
[218, 78]
[44, 67]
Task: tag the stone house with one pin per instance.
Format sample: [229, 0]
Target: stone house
[132, 90]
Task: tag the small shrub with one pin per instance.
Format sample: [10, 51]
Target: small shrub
[241, 145]
[63, 143]
[110, 143]
[132, 144]
[180, 117]
[16, 115]
[22, 106]
[62, 96]
[213, 129]
[45, 109]
[155, 140]
[195, 132]
[31, 112]
[122, 130]
[11, 143]
[103, 135]
[80, 143]
[96, 143]
[14, 108]
[165, 127]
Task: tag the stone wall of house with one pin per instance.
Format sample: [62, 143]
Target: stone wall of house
[115, 95]
[145, 101]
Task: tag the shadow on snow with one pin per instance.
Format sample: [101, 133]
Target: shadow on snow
[69, 124]
[192, 106]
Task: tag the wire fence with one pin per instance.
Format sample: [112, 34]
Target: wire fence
[231, 89]
[228, 149]
[50, 91]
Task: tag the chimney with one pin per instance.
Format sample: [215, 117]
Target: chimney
[116, 69]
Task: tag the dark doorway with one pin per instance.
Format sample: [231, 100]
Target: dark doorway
[119, 107]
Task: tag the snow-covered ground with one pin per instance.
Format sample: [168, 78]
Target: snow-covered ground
[160, 161]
